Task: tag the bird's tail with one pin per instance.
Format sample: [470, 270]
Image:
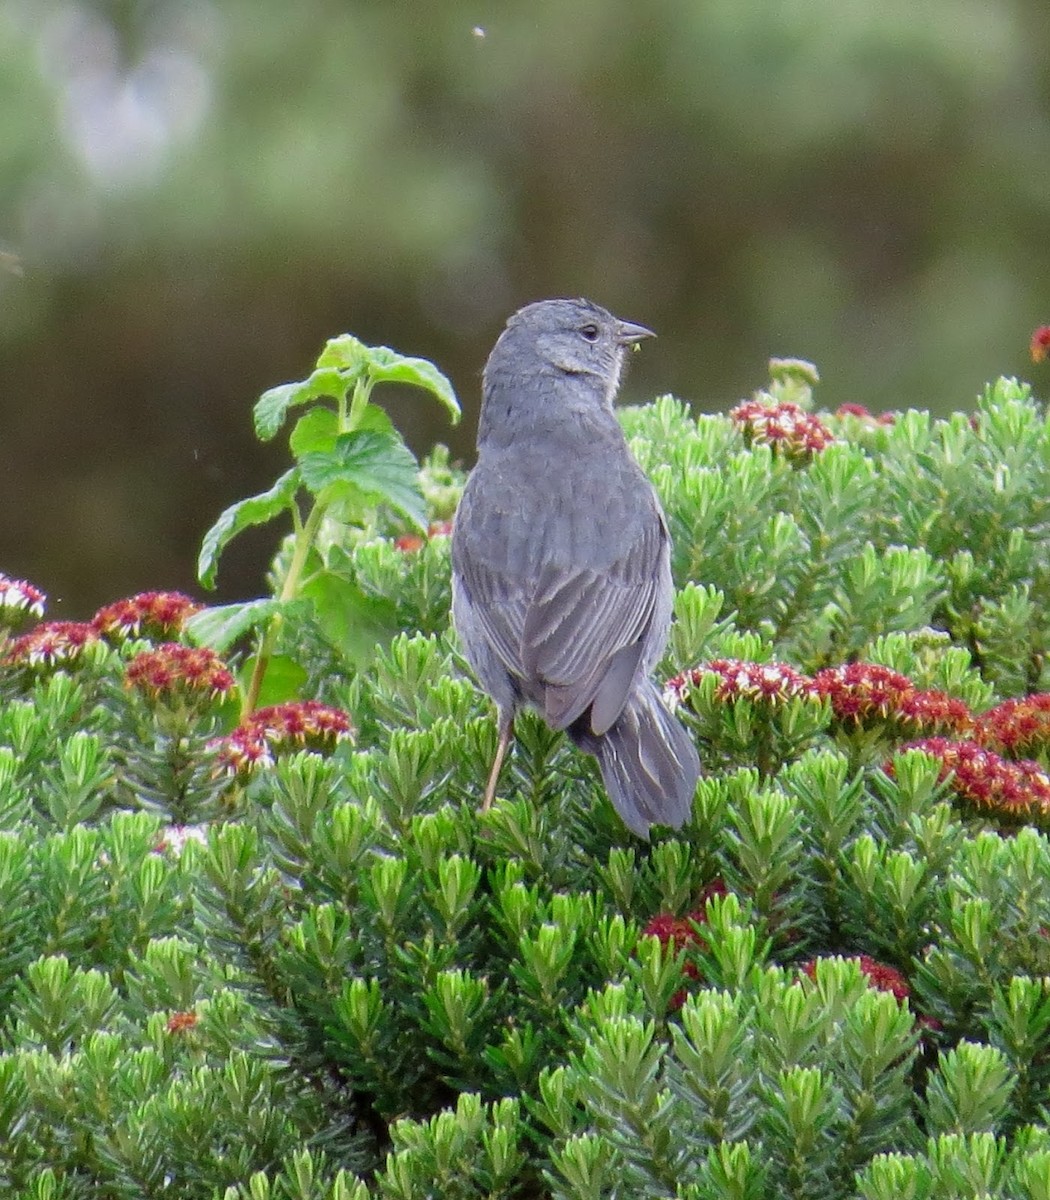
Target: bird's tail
[648, 762]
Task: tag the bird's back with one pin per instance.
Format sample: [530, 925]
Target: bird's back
[539, 514]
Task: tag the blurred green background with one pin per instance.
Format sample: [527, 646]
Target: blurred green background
[200, 193]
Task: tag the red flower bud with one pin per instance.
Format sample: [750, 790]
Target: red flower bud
[1040, 344]
[784, 426]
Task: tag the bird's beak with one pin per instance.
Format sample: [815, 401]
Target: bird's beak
[629, 334]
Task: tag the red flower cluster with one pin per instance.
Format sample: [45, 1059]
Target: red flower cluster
[281, 729]
[181, 1022]
[863, 691]
[172, 670]
[766, 683]
[412, 541]
[148, 614]
[19, 599]
[680, 933]
[785, 426]
[935, 712]
[881, 977]
[859, 410]
[859, 693]
[54, 643]
[677, 932]
[1015, 791]
[866, 692]
[1040, 345]
[1017, 726]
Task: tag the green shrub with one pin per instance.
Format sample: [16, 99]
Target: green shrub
[289, 958]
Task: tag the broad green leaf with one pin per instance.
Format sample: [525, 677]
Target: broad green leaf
[220, 627]
[255, 510]
[283, 680]
[315, 431]
[341, 364]
[353, 623]
[272, 406]
[377, 464]
[387, 366]
[346, 504]
[375, 419]
[346, 353]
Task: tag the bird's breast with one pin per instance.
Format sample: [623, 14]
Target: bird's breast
[532, 507]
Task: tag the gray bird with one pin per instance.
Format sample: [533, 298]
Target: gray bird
[561, 575]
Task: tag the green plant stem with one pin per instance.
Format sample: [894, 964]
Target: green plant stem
[304, 540]
[358, 404]
[305, 533]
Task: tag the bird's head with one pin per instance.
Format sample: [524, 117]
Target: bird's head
[573, 337]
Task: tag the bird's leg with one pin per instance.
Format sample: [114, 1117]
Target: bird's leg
[506, 732]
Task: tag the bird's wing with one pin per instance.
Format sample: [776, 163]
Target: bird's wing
[585, 632]
[573, 638]
[492, 594]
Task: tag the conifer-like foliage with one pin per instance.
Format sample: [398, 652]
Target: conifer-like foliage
[287, 958]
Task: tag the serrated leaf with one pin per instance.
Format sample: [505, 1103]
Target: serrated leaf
[377, 464]
[221, 626]
[272, 407]
[255, 510]
[387, 366]
[353, 623]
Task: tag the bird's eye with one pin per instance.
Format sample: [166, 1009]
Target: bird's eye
[590, 332]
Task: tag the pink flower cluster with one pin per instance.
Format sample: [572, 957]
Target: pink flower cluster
[61, 643]
[19, 599]
[862, 691]
[52, 644]
[173, 670]
[1040, 344]
[934, 710]
[766, 683]
[147, 614]
[181, 1022]
[283, 729]
[1015, 790]
[859, 693]
[784, 426]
